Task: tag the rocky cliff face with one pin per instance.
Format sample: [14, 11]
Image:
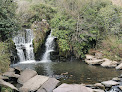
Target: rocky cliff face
[41, 30]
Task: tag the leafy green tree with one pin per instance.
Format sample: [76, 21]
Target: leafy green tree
[95, 20]
[63, 27]
[8, 21]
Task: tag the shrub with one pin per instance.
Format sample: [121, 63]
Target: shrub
[4, 57]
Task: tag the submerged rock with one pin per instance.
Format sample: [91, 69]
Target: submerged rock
[26, 75]
[7, 84]
[109, 63]
[48, 85]
[33, 84]
[72, 88]
[109, 83]
[119, 67]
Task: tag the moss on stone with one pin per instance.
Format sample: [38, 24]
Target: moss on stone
[40, 29]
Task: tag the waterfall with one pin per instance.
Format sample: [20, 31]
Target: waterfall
[49, 48]
[24, 46]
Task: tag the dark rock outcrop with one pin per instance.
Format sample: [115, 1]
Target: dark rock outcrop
[40, 30]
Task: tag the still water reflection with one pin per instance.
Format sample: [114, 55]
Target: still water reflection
[73, 72]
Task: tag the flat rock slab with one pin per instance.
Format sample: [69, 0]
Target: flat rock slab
[2, 82]
[119, 67]
[109, 83]
[11, 74]
[94, 61]
[72, 88]
[26, 75]
[49, 85]
[109, 63]
[34, 83]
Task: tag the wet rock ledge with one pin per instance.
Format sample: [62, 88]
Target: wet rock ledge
[29, 81]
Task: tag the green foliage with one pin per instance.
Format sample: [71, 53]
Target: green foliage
[63, 27]
[4, 57]
[8, 22]
[96, 20]
[112, 48]
[38, 12]
[78, 24]
[6, 89]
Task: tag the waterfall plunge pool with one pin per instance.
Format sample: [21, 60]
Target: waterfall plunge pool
[72, 72]
[67, 72]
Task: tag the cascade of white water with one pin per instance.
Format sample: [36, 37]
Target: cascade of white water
[24, 45]
[49, 48]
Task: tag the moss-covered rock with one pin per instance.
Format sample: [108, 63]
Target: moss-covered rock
[40, 30]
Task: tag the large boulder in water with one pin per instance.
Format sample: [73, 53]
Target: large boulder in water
[26, 75]
[94, 61]
[33, 84]
[109, 63]
[72, 88]
[109, 83]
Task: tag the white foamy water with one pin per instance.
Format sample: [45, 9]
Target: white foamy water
[49, 48]
[24, 46]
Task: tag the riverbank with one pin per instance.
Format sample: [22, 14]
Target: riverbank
[97, 59]
[28, 80]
